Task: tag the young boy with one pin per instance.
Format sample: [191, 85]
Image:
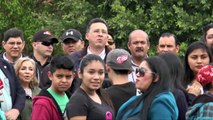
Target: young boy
[50, 103]
[118, 66]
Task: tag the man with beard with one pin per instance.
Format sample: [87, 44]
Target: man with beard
[138, 45]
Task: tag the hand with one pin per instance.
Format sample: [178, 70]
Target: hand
[12, 114]
[194, 88]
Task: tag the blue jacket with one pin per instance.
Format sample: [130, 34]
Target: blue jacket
[163, 107]
[17, 92]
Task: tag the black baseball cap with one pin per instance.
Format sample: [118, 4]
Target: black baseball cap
[72, 34]
[44, 36]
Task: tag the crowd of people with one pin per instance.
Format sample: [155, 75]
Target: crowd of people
[101, 81]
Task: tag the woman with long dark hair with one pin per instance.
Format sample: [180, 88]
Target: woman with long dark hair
[197, 55]
[156, 102]
[177, 73]
[90, 102]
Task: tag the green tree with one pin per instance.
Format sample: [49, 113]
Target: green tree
[184, 18]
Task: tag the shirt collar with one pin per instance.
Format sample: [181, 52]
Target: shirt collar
[102, 54]
[5, 58]
[134, 64]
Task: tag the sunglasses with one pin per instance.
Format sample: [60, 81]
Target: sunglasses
[110, 42]
[47, 43]
[142, 72]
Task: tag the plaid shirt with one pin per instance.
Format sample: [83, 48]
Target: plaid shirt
[200, 111]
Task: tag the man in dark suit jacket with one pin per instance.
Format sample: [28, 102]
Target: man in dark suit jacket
[13, 94]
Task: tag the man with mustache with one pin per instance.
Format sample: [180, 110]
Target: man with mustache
[138, 45]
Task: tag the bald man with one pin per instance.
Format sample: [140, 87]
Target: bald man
[138, 45]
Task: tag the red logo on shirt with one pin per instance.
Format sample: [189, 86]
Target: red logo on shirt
[1, 84]
[108, 115]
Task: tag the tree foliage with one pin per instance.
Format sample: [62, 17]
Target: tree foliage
[184, 18]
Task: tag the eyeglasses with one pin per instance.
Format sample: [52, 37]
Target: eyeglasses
[15, 43]
[142, 72]
[110, 42]
[47, 43]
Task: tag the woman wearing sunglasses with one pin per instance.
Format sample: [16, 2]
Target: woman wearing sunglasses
[110, 43]
[156, 102]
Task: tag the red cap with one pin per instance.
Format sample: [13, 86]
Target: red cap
[205, 75]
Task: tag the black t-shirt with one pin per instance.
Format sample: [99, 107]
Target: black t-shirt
[119, 94]
[81, 104]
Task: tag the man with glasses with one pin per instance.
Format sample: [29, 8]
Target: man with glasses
[13, 95]
[43, 41]
[13, 44]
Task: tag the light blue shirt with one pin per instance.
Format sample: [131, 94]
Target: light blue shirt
[7, 100]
